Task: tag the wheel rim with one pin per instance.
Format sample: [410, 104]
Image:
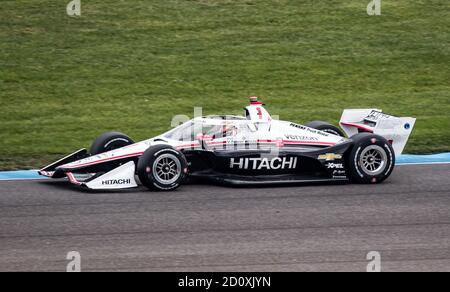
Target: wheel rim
[373, 160]
[167, 169]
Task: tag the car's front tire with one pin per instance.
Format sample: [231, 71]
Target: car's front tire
[325, 127]
[371, 159]
[162, 168]
[110, 141]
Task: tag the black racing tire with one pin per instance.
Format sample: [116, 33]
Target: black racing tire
[162, 168]
[325, 127]
[110, 141]
[371, 160]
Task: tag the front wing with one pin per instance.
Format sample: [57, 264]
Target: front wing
[120, 177]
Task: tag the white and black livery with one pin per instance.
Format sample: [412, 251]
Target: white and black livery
[252, 149]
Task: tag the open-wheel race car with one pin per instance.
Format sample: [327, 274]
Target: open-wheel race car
[252, 149]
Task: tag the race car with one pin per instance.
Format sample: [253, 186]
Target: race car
[249, 150]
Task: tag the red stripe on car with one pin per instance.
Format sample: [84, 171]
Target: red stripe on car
[103, 160]
[188, 146]
[358, 126]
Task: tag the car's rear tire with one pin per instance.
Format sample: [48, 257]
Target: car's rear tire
[371, 159]
[325, 127]
[110, 141]
[162, 168]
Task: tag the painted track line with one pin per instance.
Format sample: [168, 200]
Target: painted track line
[442, 158]
[20, 175]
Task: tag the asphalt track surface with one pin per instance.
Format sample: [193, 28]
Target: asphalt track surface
[213, 228]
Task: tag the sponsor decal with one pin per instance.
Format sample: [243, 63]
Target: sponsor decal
[318, 132]
[298, 126]
[99, 156]
[116, 182]
[264, 163]
[330, 157]
[332, 165]
[310, 130]
[339, 174]
[375, 116]
[301, 138]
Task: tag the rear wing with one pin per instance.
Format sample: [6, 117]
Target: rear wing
[395, 130]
